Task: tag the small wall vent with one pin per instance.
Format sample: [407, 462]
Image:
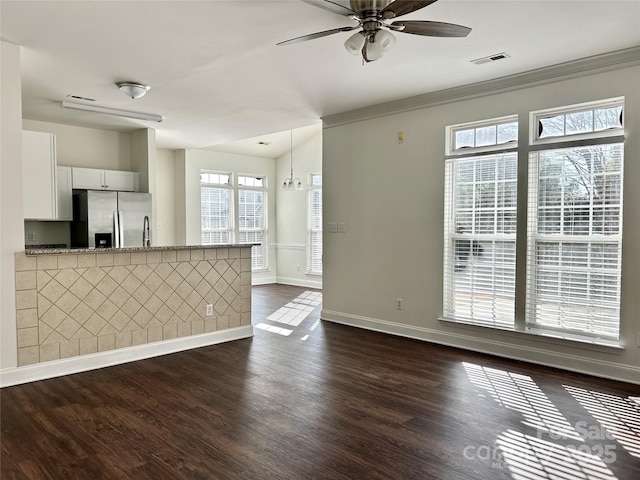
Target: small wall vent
[491, 58]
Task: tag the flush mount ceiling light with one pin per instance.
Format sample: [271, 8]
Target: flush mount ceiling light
[112, 111]
[132, 89]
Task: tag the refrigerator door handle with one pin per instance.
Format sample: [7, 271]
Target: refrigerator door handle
[116, 229]
[121, 222]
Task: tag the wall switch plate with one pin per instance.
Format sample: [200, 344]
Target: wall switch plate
[332, 227]
[399, 303]
[342, 227]
[208, 311]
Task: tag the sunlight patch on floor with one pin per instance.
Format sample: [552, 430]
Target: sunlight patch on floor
[521, 393]
[529, 458]
[291, 314]
[620, 417]
[273, 329]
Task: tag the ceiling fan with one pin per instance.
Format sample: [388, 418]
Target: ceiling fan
[375, 19]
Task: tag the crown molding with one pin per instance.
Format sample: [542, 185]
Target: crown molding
[573, 69]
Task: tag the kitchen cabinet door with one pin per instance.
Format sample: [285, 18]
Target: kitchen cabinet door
[119, 180]
[39, 194]
[88, 178]
[65, 194]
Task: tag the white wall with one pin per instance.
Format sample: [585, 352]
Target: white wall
[291, 214]
[11, 219]
[87, 147]
[390, 196]
[166, 197]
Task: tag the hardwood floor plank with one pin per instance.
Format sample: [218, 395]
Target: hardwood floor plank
[325, 402]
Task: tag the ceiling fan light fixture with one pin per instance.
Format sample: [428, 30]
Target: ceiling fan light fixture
[355, 43]
[385, 39]
[133, 90]
[372, 50]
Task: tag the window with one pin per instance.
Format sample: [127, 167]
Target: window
[483, 135]
[314, 231]
[575, 224]
[216, 208]
[223, 223]
[573, 231]
[480, 230]
[251, 217]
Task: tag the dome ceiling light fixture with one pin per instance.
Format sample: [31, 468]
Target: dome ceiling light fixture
[133, 89]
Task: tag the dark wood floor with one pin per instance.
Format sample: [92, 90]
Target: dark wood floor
[319, 400]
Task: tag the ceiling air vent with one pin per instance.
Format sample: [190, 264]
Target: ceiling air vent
[491, 58]
[78, 97]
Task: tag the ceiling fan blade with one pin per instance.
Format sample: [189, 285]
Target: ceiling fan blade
[397, 8]
[312, 36]
[331, 6]
[430, 29]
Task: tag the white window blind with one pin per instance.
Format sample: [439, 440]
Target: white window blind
[480, 237]
[575, 238]
[251, 218]
[314, 231]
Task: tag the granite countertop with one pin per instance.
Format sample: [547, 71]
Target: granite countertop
[64, 251]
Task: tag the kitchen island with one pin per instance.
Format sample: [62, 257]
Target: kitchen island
[132, 302]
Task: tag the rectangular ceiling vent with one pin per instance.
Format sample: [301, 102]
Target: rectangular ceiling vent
[491, 58]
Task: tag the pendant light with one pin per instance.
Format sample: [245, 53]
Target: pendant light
[291, 183]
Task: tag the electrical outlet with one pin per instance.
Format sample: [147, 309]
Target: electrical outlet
[399, 303]
[208, 311]
[31, 236]
[297, 268]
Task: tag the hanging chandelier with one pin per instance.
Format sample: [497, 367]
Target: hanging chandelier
[291, 183]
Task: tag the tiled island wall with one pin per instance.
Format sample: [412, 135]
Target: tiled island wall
[78, 303]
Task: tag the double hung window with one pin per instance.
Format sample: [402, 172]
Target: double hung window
[575, 221]
[251, 217]
[480, 223]
[216, 208]
[314, 229]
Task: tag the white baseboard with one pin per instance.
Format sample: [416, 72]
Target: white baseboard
[540, 356]
[300, 282]
[68, 366]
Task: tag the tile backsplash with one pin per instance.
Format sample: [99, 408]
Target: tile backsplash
[77, 304]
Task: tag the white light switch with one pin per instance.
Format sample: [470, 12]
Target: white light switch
[332, 227]
[342, 227]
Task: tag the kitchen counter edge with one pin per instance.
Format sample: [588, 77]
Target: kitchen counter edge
[63, 251]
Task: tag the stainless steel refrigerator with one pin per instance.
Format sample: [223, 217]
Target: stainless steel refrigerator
[110, 219]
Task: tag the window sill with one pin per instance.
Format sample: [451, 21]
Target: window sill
[544, 336]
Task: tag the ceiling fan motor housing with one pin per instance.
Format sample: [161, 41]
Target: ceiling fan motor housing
[366, 6]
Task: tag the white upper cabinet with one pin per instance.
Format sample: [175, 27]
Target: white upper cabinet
[65, 194]
[39, 192]
[97, 179]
